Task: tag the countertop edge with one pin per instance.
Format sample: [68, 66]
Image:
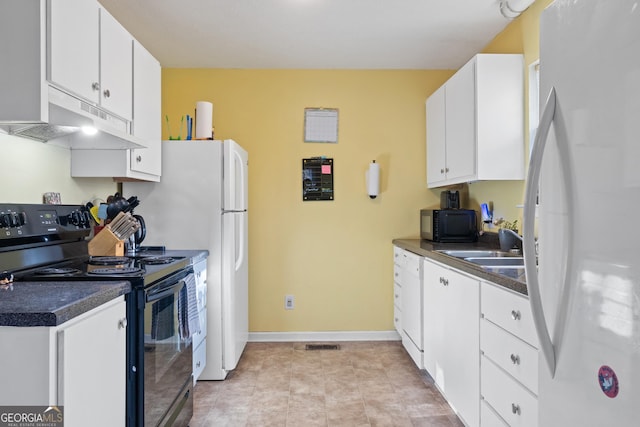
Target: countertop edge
[428, 250]
[51, 317]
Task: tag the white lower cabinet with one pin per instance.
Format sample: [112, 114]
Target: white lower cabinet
[509, 363]
[407, 299]
[200, 338]
[451, 304]
[80, 365]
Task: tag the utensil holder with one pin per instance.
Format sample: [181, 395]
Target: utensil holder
[105, 243]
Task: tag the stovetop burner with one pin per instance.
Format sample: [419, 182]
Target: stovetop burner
[59, 271]
[115, 271]
[108, 260]
[156, 260]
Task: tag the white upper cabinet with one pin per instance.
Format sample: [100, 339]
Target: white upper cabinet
[475, 123]
[134, 164]
[91, 55]
[147, 111]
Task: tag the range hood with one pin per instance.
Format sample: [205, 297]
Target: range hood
[64, 118]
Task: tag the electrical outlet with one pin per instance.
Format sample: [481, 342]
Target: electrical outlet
[288, 302]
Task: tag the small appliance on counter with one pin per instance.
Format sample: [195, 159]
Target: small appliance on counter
[448, 225]
[450, 199]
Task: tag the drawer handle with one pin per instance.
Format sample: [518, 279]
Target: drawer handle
[515, 314]
[515, 359]
[515, 409]
[198, 364]
[122, 323]
[444, 281]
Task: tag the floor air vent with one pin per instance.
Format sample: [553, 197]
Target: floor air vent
[322, 347]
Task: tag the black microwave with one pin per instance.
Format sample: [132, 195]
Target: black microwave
[448, 225]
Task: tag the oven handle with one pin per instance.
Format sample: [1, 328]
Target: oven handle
[165, 292]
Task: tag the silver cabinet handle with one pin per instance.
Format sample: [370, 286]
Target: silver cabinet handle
[515, 408]
[515, 359]
[515, 314]
[122, 323]
[106, 93]
[529, 213]
[446, 169]
[198, 364]
[397, 296]
[441, 170]
[95, 86]
[138, 159]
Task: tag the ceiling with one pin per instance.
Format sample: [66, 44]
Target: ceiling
[316, 34]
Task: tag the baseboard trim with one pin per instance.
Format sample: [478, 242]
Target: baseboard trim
[324, 336]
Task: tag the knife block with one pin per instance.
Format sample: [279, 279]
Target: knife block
[105, 243]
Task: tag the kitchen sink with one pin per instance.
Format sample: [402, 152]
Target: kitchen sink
[478, 253]
[499, 262]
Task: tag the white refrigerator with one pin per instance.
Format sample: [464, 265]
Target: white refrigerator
[201, 203]
[585, 172]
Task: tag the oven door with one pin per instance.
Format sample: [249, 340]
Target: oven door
[167, 353]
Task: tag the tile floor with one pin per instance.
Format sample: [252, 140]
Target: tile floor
[361, 384]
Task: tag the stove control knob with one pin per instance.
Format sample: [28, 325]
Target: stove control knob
[86, 219]
[15, 219]
[74, 218]
[5, 220]
[22, 218]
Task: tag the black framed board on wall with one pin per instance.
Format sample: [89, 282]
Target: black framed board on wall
[317, 179]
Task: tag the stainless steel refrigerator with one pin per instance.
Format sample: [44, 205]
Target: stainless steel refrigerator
[585, 290]
[201, 203]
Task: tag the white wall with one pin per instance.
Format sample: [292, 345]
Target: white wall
[30, 168]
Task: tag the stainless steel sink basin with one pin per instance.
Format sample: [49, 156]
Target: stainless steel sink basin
[477, 253]
[498, 262]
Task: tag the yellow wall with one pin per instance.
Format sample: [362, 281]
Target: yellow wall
[521, 36]
[334, 257]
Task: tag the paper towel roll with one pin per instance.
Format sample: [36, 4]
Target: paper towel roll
[373, 179]
[204, 120]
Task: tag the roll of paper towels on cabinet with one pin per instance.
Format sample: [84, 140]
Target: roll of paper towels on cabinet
[204, 120]
[373, 179]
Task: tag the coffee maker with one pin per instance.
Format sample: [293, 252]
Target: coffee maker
[450, 199]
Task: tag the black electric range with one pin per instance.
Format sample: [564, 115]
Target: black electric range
[48, 243]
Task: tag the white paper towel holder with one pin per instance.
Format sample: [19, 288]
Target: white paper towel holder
[373, 179]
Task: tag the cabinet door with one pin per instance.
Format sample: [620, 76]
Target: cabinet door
[74, 47]
[433, 315]
[460, 124]
[147, 114]
[116, 66]
[462, 366]
[452, 330]
[436, 138]
[92, 368]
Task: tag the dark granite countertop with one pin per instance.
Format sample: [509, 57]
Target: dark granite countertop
[428, 249]
[53, 303]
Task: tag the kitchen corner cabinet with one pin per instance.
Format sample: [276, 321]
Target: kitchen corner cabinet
[451, 304]
[140, 163]
[200, 338]
[475, 123]
[80, 365]
[83, 29]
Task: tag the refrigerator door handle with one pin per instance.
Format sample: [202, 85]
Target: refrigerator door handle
[531, 268]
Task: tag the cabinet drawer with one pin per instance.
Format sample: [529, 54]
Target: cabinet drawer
[510, 353]
[199, 336]
[398, 259]
[514, 403]
[397, 318]
[199, 360]
[412, 263]
[397, 273]
[509, 311]
[397, 295]
[489, 418]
